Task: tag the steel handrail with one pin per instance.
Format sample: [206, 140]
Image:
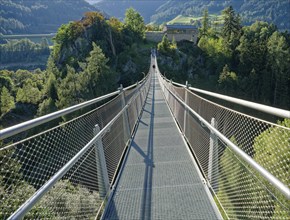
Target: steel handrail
[259, 107]
[16, 129]
[22, 210]
[261, 170]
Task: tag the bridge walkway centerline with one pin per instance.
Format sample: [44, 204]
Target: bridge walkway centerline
[159, 179]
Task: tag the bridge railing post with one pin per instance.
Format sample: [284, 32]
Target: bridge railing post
[173, 100]
[186, 101]
[102, 173]
[140, 97]
[213, 157]
[126, 125]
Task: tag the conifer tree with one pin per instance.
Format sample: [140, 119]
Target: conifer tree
[278, 61]
[232, 24]
[203, 31]
[231, 30]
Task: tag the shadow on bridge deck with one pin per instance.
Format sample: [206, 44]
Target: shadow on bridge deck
[159, 179]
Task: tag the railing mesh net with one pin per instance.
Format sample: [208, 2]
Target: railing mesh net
[238, 188]
[28, 164]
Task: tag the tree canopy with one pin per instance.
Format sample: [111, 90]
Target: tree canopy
[135, 22]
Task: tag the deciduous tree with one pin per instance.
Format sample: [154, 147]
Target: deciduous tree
[7, 101]
[135, 22]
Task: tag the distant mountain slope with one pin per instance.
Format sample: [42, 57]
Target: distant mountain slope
[117, 8]
[159, 11]
[276, 11]
[39, 16]
[172, 8]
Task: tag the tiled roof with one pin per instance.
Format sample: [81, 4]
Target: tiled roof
[180, 26]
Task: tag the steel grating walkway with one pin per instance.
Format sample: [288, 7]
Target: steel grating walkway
[159, 179]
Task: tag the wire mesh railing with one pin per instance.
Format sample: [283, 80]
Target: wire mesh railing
[65, 172]
[245, 160]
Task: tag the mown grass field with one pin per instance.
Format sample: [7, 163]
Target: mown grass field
[180, 19]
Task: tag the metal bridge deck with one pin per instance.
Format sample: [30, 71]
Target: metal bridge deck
[159, 179]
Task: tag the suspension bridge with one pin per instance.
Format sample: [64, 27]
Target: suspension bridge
[154, 150]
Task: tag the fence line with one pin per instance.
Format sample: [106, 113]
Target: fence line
[259, 107]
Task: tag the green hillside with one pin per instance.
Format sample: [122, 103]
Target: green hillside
[180, 19]
[38, 16]
[97, 53]
[272, 11]
[117, 8]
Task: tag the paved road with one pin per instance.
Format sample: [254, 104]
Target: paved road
[159, 179]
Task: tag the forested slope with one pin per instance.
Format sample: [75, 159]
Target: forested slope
[273, 11]
[276, 11]
[249, 62]
[39, 16]
[117, 8]
[90, 58]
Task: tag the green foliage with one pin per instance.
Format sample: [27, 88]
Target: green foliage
[215, 51]
[7, 101]
[26, 90]
[236, 174]
[29, 93]
[279, 58]
[5, 81]
[96, 62]
[59, 201]
[12, 187]
[231, 30]
[23, 51]
[135, 23]
[165, 46]
[252, 52]
[97, 76]
[233, 171]
[232, 24]
[10, 172]
[228, 80]
[51, 68]
[60, 38]
[257, 55]
[66, 51]
[205, 26]
[46, 106]
[271, 11]
[91, 17]
[96, 79]
[152, 27]
[69, 89]
[50, 88]
[66, 34]
[39, 16]
[116, 41]
[116, 24]
[79, 71]
[14, 191]
[252, 47]
[12, 201]
[265, 150]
